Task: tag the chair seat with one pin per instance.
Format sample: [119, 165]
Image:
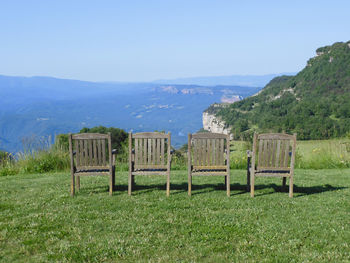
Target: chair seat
[279, 173]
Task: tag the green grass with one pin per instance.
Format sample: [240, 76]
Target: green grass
[40, 222]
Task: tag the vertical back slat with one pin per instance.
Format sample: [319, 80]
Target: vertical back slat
[153, 151]
[261, 153]
[137, 152]
[286, 154]
[149, 150]
[162, 150]
[222, 151]
[144, 152]
[208, 151]
[81, 152]
[194, 147]
[91, 159]
[278, 153]
[77, 155]
[103, 150]
[283, 146]
[265, 154]
[204, 146]
[273, 153]
[158, 152]
[214, 151]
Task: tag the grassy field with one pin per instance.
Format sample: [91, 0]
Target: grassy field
[40, 222]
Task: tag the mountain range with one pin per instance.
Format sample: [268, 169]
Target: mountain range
[32, 107]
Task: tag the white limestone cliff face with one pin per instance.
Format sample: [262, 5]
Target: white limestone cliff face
[213, 124]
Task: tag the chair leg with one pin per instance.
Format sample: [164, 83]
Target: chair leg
[228, 185]
[189, 184]
[248, 178]
[113, 179]
[111, 183]
[291, 186]
[130, 183]
[72, 186]
[168, 184]
[252, 179]
[284, 180]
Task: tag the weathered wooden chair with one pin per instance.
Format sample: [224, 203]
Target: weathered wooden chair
[209, 154]
[149, 157]
[88, 156]
[273, 155]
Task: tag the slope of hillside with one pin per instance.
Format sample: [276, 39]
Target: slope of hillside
[315, 103]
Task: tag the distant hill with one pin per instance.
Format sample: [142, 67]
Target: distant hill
[233, 80]
[315, 103]
[43, 106]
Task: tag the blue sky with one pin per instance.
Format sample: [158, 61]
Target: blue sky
[147, 40]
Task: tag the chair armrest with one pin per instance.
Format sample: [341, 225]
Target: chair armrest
[114, 151]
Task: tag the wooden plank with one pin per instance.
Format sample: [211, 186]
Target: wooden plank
[214, 153]
[92, 167]
[99, 153]
[210, 167]
[203, 153]
[94, 156]
[150, 166]
[150, 135]
[149, 149]
[286, 154]
[137, 152]
[194, 151]
[80, 151]
[260, 154]
[158, 152]
[275, 136]
[162, 151]
[77, 155]
[282, 152]
[222, 151]
[103, 150]
[91, 159]
[278, 153]
[89, 136]
[154, 156]
[144, 150]
[265, 153]
[273, 153]
[209, 135]
[209, 150]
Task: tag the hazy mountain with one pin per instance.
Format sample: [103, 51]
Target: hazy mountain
[42, 106]
[233, 80]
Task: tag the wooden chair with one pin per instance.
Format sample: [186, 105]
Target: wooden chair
[149, 156]
[273, 155]
[209, 154]
[88, 156]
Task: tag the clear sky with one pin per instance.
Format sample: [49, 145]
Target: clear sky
[146, 40]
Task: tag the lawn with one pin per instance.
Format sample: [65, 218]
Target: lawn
[40, 222]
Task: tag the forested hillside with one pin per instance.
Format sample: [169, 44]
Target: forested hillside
[315, 103]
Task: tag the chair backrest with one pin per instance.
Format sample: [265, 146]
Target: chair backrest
[92, 150]
[274, 151]
[208, 150]
[151, 150]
